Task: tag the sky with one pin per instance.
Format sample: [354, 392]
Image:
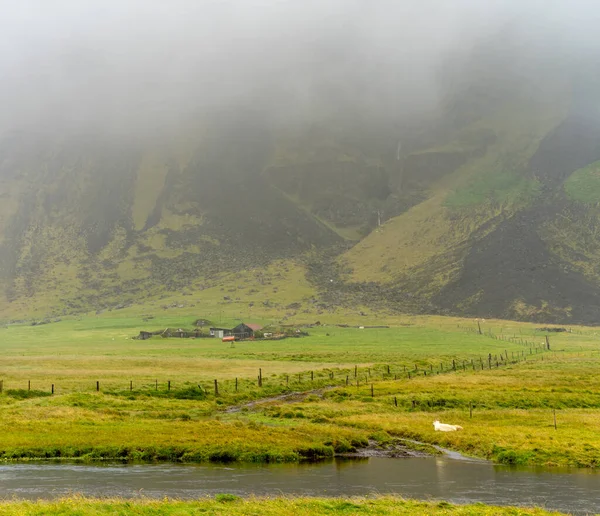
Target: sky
[135, 66]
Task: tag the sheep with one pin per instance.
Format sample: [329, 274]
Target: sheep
[442, 427]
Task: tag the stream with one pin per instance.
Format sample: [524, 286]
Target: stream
[428, 478]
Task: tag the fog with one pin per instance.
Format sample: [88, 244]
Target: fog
[137, 67]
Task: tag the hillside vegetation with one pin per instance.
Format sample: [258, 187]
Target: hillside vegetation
[488, 215]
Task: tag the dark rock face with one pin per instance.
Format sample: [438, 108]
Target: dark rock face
[513, 262]
[572, 145]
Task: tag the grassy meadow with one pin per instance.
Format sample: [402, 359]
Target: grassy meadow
[228, 504]
[327, 393]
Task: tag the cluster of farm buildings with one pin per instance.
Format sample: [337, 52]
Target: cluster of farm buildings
[242, 331]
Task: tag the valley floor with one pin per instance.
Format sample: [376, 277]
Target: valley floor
[333, 392]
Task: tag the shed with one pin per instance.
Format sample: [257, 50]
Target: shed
[219, 333]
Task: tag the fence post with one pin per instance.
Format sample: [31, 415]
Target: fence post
[155, 385]
[52, 388]
[236, 384]
[554, 410]
[372, 393]
[130, 385]
[1, 386]
[28, 385]
[169, 385]
[312, 376]
[216, 388]
[355, 371]
[260, 377]
[346, 380]
[97, 386]
[395, 401]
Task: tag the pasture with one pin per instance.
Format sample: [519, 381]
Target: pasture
[156, 399]
[75, 354]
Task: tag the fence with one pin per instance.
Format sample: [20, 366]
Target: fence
[328, 377]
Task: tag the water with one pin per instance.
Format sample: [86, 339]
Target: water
[575, 491]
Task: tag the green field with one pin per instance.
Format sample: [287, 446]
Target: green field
[156, 399]
[227, 504]
[73, 355]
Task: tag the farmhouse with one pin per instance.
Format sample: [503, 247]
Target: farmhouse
[241, 331]
[246, 331]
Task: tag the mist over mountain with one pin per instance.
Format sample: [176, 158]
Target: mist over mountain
[435, 157]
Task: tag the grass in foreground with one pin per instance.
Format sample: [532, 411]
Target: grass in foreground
[231, 505]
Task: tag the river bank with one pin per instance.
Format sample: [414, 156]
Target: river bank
[231, 505]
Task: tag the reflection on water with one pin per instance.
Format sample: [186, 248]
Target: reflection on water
[575, 491]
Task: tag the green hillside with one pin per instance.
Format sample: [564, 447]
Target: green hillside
[490, 214]
[510, 232]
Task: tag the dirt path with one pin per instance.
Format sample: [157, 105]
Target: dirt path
[290, 397]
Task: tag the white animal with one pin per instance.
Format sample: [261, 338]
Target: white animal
[443, 427]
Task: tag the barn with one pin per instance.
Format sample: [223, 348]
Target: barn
[246, 331]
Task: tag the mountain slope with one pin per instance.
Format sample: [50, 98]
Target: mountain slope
[486, 209]
[503, 235]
